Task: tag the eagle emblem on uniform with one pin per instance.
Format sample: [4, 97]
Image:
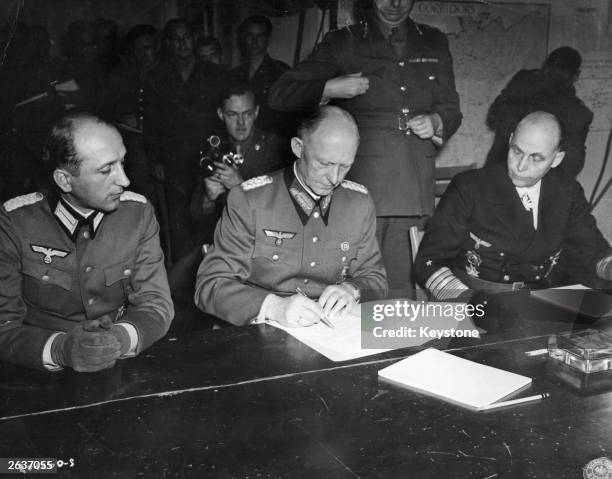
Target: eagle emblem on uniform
[49, 252]
[479, 242]
[279, 235]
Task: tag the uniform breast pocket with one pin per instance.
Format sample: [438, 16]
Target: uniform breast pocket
[266, 254]
[42, 283]
[117, 278]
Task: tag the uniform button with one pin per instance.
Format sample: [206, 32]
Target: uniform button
[45, 277]
[315, 239]
[274, 257]
[86, 234]
[91, 301]
[127, 272]
[88, 269]
[506, 277]
[141, 90]
[403, 88]
[306, 281]
[537, 277]
[344, 259]
[501, 253]
[401, 64]
[316, 214]
[313, 264]
[541, 267]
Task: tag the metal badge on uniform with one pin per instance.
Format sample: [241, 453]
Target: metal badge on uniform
[257, 147]
[479, 242]
[279, 235]
[473, 262]
[344, 246]
[49, 252]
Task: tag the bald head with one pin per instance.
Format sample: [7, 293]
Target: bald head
[326, 145]
[535, 148]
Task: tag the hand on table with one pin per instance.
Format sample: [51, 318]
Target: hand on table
[337, 299]
[295, 311]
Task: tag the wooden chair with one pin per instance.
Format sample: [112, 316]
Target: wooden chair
[444, 175]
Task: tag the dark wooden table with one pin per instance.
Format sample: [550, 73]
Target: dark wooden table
[254, 402]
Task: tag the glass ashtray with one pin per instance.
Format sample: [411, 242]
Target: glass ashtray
[587, 351]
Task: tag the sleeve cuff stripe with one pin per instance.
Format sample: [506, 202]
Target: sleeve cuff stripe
[444, 271]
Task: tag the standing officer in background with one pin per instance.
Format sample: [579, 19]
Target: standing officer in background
[396, 78]
[82, 278]
[303, 227]
[550, 89]
[522, 224]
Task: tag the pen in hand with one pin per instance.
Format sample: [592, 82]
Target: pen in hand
[324, 319]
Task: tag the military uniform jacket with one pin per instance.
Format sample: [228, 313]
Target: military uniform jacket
[272, 238]
[481, 229]
[397, 169]
[52, 279]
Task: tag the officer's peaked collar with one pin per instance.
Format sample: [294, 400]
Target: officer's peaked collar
[306, 203]
[70, 219]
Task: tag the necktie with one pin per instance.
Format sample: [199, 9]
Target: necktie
[396, 41]
[527, 202]
[528, 205]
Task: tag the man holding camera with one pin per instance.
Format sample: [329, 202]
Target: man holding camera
[243, 152]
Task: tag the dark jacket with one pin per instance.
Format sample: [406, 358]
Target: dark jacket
[398, 169]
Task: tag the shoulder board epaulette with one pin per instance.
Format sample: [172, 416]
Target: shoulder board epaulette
[23, 200]
[351, 185]
[131, 196]
[256, 182]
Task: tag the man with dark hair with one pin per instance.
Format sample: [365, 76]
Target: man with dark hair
[550, 89]
[303, 226]
[209, 49]
[82, 278]
[182, 97]
[517, 225]
[258, 68]
[396, 77]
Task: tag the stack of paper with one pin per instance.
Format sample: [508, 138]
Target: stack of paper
[454, 379]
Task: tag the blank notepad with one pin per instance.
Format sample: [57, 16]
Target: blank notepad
[454, 379]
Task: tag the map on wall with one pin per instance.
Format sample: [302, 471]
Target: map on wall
[489, 44]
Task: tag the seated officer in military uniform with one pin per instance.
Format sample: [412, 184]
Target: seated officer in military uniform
[82, 278]
[522, 224]
[300, 229]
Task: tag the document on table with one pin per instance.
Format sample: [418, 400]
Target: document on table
[454, 379]
[340, 343]
[343, 342]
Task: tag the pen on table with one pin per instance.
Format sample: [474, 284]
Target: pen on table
[324, 319]
[512, 402]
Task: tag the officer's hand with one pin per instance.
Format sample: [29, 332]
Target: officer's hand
[86, 351]
[422, 126]
[214, 188]
[295, 311]
[158, 172]
[346, 86]
[229, 176]
[337, 299]
[105, 323]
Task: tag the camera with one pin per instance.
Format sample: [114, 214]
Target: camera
[216, 151]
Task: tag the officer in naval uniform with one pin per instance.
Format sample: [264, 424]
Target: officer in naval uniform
[396, 77]
[82, 278]
[523, 224]
[303, 227]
